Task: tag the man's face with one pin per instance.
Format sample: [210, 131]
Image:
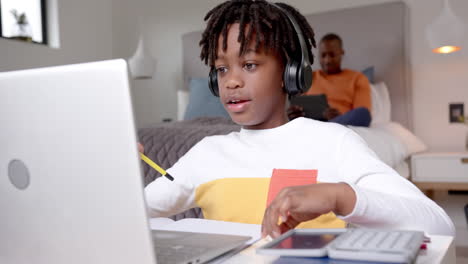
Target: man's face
[331, 54]
[251, 85]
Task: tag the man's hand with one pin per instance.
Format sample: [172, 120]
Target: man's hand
[141, 148]
[295, 111]
[306, 202]
[331, 113]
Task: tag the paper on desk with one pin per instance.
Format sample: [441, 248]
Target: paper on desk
[159, 222]
[208, 226]
[282, 178]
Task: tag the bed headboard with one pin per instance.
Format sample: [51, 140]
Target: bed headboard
[372, 35]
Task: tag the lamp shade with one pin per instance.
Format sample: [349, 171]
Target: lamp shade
[142, 65]
[445, 33]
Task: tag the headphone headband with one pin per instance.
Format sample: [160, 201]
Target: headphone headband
[298, 30]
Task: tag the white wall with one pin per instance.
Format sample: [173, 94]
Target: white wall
[95, 30]
[437, 79]
[164, 23]
[85, 35]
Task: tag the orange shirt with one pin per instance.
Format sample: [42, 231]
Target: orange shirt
[345, 90]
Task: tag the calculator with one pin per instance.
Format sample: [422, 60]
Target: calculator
[364, 244]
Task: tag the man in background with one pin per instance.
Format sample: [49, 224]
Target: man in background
[348, 92]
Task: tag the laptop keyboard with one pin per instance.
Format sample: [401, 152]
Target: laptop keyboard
[186, 247]
[177, 253]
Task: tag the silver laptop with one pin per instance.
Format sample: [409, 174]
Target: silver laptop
[71, 189]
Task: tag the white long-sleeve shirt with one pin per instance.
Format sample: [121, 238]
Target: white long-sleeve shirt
[228, 177]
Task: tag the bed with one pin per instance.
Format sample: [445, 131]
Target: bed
[374, 41]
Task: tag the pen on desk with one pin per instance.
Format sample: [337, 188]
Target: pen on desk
[155, 166]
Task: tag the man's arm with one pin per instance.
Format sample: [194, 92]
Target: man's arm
[362, 94]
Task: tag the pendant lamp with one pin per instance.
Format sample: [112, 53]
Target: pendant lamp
[445, 33]
[142, 65]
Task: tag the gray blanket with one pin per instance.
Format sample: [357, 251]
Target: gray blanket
[165, 143]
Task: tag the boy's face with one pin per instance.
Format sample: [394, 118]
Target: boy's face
[331, 54]
[251, 85]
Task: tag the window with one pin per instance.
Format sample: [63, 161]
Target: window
[23, 20]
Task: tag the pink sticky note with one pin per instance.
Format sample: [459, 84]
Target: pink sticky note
[282, 178]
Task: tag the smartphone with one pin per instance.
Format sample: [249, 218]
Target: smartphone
[302, 243]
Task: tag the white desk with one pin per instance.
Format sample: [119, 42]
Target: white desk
[440, 250]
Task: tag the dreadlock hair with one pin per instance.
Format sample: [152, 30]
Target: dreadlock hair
[332, 36]
[271, 25]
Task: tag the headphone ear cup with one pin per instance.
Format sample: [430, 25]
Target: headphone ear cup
[297, 77]
[286, 78]
[213, 82]
[305, 77]
[291, 78]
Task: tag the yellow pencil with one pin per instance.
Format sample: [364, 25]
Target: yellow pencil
[155, 166]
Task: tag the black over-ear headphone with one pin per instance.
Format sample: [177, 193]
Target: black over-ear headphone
[297, 74]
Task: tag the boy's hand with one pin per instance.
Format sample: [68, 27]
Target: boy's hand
[331, 113]
[303, 203]
[295, 111]
[141, 148]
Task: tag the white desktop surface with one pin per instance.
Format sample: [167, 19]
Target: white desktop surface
[439, 250]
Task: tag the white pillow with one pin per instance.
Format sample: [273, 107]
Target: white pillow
[412, 143]
[381, 105]
[388, 147]
[391, 142]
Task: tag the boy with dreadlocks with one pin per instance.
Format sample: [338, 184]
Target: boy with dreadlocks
[247, 44]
